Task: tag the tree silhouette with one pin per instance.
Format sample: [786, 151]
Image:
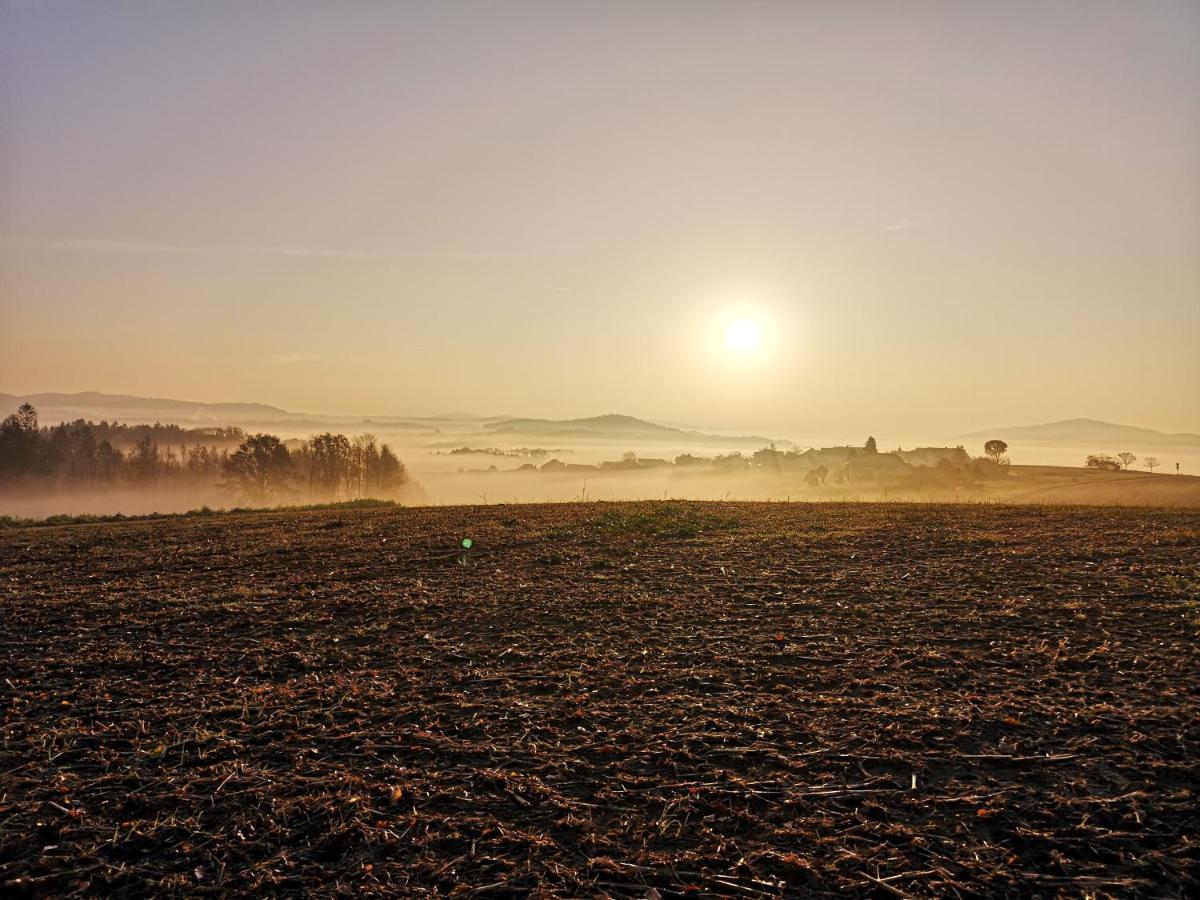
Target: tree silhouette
[816, 476]
[143, 461]
[108, 462]
[1151, 463]
[870, 445]
[20, 444]
[995, 450]
[261, 468]
[98, 455]
[364, 465]
[331, 464]
[1127, 459]
[27, 418]
[392, 474]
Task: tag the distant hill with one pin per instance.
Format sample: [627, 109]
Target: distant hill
[53, 408]
[615, 427]
[606, 424]
[1087, 432]
[456, 417]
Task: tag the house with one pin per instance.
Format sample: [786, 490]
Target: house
[619, 465]
[931, 457]
[830, 457]
[877, 467]
[557, 466]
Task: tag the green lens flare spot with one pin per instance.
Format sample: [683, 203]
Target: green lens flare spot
[467, 543]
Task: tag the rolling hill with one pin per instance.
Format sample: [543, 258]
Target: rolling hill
[1089, 433]
[54, 407]
[613, 427]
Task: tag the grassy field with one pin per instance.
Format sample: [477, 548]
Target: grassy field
[643, 699]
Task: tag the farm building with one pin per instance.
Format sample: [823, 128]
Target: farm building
[556, 465]
[929, 457]
[876, 467]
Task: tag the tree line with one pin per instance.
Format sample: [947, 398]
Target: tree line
[326, 467]
[1119, 462]
[261, 468]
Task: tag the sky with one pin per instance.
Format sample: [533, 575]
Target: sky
[939, 216]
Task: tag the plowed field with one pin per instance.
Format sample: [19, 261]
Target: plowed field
[645, 699]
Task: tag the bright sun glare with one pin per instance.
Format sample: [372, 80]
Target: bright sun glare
[743, 336]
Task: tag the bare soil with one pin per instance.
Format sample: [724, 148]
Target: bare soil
[643, 699]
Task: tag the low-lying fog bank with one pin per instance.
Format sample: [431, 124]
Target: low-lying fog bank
[1021, 484]
[102, 468]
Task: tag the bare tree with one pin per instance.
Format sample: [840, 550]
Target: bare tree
[330, 465]
[365, 463]
[108, 461]
[143, 461]
[260, 468]
[1127, 459]
[1151, 463]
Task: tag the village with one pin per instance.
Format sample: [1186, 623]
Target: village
[844, 465]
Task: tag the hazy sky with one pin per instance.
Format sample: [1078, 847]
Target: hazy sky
[945, 215]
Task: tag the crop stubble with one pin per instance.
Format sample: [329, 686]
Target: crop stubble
[699, 699]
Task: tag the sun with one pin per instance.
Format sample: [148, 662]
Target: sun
[744, 337]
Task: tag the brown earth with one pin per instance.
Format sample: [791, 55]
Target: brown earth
[1066, 485]
[645, 699]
